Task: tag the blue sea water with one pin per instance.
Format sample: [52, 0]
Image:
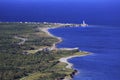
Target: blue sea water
[95, 12]
[101, 37]
[103, 42]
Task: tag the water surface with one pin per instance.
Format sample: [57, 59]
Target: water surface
[103, 42]
[96, 12]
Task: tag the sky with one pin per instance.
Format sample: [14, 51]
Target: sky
[61, 10]
[60, 0]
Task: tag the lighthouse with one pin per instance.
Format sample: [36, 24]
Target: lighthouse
[84, 24]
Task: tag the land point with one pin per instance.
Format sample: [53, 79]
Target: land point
[30, 52]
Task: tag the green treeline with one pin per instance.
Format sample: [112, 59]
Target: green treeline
[14, 65]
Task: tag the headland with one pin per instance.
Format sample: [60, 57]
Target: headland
[32, 53]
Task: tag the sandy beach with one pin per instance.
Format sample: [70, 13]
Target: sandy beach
[47, 32]
[65, 60]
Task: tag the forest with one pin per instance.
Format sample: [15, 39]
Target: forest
[40, 65]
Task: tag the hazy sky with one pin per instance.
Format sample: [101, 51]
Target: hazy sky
[60, 10]
[60, 0]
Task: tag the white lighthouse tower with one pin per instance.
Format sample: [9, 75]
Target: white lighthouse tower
[84, 24]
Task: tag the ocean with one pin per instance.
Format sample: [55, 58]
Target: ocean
[94, 12]
[102, 42]
[101, 37]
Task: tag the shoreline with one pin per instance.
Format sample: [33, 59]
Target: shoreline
[43, 43]
[70, 65]
[64, 59]
[46, 30]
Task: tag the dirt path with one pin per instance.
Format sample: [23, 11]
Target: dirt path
[23, 40]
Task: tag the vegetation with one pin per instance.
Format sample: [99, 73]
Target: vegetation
[42, 65]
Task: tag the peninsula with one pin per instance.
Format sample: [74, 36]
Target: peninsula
[28, 52]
